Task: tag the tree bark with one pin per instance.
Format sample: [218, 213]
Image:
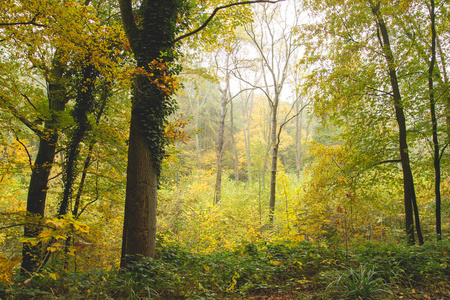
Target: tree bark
[139, 230]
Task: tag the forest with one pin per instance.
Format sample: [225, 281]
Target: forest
[224, 149]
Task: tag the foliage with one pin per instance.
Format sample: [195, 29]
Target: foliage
[359, 284]
[6, 267]
[340, 220]
[408, 266]
[296, 270]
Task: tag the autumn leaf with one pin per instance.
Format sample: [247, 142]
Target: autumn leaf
[6, 267]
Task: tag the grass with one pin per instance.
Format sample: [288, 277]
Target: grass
[280, 271]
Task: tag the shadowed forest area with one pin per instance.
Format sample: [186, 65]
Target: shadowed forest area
[215, 149]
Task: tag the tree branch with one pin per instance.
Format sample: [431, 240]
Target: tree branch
[26, 150]
[387, 161]
[129, 25]
[215, 11]
[287, 120]
[18, 116]
[32, 22]
[29, 101]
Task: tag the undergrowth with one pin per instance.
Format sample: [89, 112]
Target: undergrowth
[296, 270]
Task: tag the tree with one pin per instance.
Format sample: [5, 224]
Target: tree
[434, 125]
[225, 99]
[53, 44]
[408, 181]
[364, 75]
[275, 45]
[151, 31]
[426, 46]
[151, 40]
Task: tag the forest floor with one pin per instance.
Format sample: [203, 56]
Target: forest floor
[258, 272]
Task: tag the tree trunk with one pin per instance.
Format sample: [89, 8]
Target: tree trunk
[298, 138]
[247, 119]
[233, 144]
[151, 105]
[436, 154]
[88, 159]
[220, 138]
[408, 182]
[37, 190]
[84, 105]
[198, 146]
[139, 230]
[274, 161]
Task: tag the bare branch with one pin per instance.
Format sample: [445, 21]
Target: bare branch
[29, 101]
[287, 120]
[215, 11]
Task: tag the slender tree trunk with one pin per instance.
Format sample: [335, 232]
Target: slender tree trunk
[87, 161]
[247, 119]
[233, 144]
[37, 190]
[84, 105]
[436, 154]
[408, 182]
[198, 146]
[220, 139]
[274, 160]
[298, 139]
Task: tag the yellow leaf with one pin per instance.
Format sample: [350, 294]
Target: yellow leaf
[275, 262]
[6, 267]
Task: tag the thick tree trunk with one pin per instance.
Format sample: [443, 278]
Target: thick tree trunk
[410, 202]
[139, 230]
[150, 107]
[37, 190]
